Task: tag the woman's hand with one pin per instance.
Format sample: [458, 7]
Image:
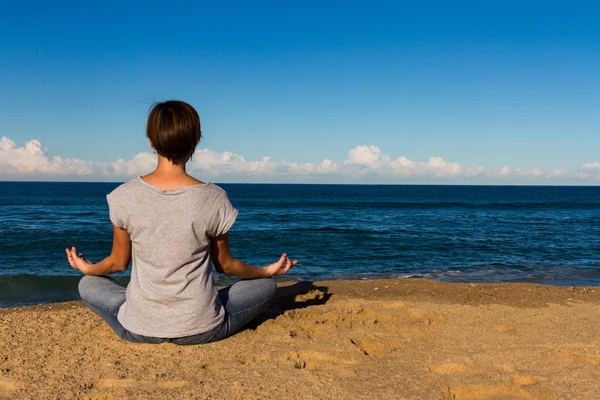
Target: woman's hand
[77, 261]
[225, 263]
[280, 267]
[117, 261]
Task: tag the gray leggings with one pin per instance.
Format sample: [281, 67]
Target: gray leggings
[243, 301]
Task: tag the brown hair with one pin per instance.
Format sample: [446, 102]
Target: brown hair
[174, 130]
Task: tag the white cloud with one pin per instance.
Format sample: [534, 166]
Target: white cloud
[589, 170]
[556, 173]
[32, 158]
[595, 166]
[368, 156]
[403, 165]
[439, 167]
[141, 164]
[536, 173]
[504, 171]
[208, 159]
[364, 163]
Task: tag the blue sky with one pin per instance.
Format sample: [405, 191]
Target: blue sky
[484, 85]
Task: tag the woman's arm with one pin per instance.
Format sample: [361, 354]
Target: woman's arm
[225, 263]
[117, 261]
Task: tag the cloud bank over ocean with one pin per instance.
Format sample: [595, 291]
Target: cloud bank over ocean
[364, 164]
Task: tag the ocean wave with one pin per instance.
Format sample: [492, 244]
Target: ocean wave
[28, 289]
[398, 204]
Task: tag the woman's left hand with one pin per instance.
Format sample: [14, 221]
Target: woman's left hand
[280, 267]
[77, 261]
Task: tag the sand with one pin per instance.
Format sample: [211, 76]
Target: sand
[376, 339]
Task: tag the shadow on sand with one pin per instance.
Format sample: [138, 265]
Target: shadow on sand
[291, 297]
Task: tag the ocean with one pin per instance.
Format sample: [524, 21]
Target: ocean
[538, 234]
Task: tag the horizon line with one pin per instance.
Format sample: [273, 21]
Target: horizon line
[331, 184]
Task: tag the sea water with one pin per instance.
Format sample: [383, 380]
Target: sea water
[538, 234]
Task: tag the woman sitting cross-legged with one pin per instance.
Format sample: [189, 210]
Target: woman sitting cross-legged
[173, 228]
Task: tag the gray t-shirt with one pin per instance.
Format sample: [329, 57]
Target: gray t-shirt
[172, 292]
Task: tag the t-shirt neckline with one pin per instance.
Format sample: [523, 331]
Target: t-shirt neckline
[170, 191]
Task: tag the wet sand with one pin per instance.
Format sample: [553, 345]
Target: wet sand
[371, 339]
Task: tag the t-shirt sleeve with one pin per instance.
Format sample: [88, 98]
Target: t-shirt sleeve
[116, 210]
[223, 218]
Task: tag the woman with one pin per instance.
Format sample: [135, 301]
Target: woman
[173, 228]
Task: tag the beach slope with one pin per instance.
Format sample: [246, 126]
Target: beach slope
[367, 339]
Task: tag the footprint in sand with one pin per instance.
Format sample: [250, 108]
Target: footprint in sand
[317, 360]
[526, 380]
[425, 317]
[370, 346]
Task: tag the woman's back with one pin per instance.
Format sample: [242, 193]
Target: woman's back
[171, 292]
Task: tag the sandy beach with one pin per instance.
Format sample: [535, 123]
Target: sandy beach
[369, 339]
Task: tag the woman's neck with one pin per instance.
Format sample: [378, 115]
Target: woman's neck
[168, 176]
[168, 169]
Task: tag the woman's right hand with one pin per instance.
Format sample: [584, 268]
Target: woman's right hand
[280, 267]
